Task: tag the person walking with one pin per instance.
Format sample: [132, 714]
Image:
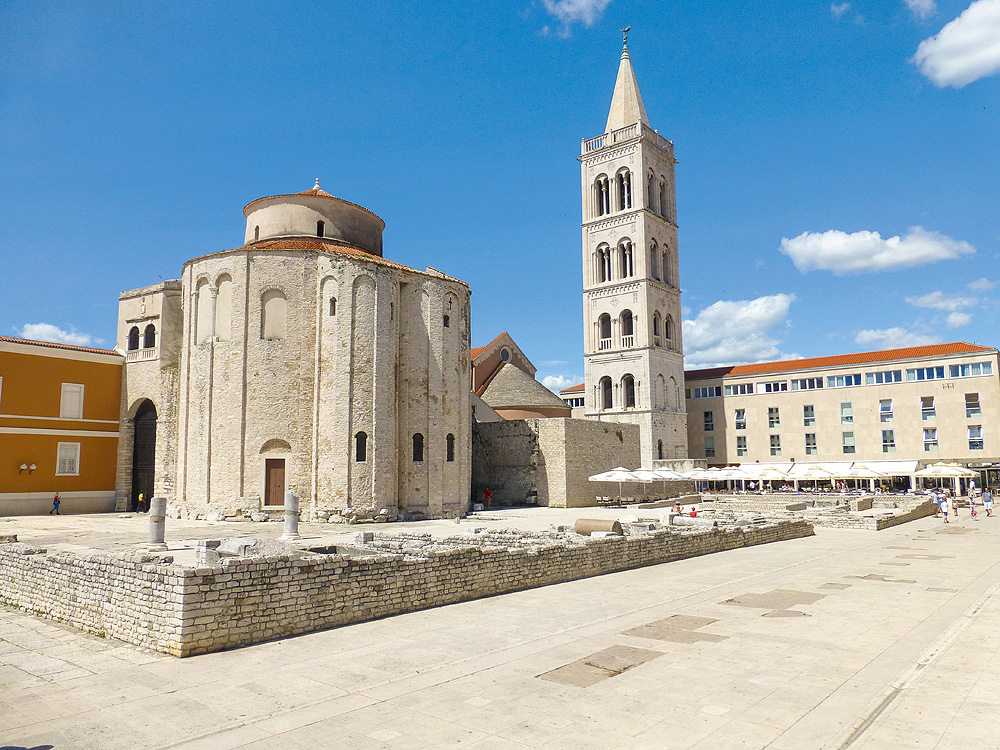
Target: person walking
[944, 506]
[140, 503]
[55, 505]
[988, 502]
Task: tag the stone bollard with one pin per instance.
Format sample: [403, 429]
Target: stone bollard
[291, 517]
[157, 524]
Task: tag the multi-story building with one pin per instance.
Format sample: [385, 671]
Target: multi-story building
[58, 426]
[633, 356]
[932, 403]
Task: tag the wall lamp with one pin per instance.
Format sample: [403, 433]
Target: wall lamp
[26, 468]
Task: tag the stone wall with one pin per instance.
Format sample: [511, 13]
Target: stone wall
[188, 611]
[553, 456]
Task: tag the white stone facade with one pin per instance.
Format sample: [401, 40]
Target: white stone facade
[309, 363]
[633, 353]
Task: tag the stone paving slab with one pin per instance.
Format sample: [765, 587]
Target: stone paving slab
[874, 661]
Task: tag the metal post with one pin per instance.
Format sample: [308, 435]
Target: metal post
[157, 524]
[291, 517]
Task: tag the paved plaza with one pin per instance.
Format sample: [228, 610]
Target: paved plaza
[849, 639]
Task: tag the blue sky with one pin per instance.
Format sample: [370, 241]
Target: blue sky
[837, 187]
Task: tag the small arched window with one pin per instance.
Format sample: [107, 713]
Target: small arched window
[361, 447]
[654, 260]
[274, 312]
[133, 338]
[450, 448]
[663, 199]
[320, 228]
[256, 233]
[392, 311]
[627, 329]
[604, 331]
[659, 449]
[447, 321]
[628, 391]
[668, 330]
[224, 307]
[505, 354]
[333, 306]
[656, 328]
[605, 391]
[149, 337]
[418, 447]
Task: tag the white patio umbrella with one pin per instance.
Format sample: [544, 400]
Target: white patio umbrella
[813, 474]
[619, 474]
[860, 471]
[954, 472]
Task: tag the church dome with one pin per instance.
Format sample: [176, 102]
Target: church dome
[313, 213]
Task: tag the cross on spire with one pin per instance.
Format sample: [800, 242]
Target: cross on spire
[625, 32]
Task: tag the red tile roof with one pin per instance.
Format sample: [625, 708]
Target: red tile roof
[861, 358]
[54, 345]
[573, 389]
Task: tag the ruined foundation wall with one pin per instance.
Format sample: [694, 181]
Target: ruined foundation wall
[188, 611]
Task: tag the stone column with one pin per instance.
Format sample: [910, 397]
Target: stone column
[157, 524]
[291, 517]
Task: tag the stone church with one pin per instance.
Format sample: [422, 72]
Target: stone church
[302, 360]
[633, 354]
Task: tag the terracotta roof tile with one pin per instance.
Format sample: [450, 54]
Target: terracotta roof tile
[860, 358]
[579, 388]
[53, 345]
[328, 247]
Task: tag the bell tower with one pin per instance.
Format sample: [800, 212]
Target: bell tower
[633, 354]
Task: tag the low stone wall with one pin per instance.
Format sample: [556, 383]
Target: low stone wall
[187, 611]
[871, 523]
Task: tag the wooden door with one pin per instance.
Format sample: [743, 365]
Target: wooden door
[274, 481]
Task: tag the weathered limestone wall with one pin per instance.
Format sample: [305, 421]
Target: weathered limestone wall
[188, 611]
[552, 456]
[135, 598]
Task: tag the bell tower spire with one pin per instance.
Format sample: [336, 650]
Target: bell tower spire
[626, 103]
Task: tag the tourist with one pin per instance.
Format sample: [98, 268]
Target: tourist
[945, 507]
[55, 505]
[694, 512]
[988, 502]
[972, 506]
[487, 497]
[140, 503]
[677, 508]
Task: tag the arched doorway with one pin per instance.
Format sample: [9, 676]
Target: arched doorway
[143, 453]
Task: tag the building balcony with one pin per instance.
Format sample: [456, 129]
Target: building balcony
[142, 355]
[604, 344]
[627, 341]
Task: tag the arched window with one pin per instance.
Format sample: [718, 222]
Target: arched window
[450, 448]
[274, 312]
[256, 233]
[418, 447]
[659, 392]
[628, 392]
[668, 331]
[605, 390]
[651, 192]
[602, 196]
[668, 269]
[604, 331]
[224, 307]
[659, 449]
[447, 321]
[133, 338]
[654, 260]
[623, 186]
[320, 228]
[625, 259]
[626, 319]
[333, 306]
[204, 297]
[673, 394]
[149, 337]
[663, 199]
[602, 258]
[361, 447]
[656, 328]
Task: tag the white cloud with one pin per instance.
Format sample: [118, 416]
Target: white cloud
[838, 10]
[49, 332]
[893, 338]
[587, 12]
[981, 285]
[842, 253]
[965, 50]
[937, 301]
[733, 332]
[922, 9]
[556, 383]
[958, 319]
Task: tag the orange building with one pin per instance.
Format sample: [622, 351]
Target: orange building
[59, 412]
